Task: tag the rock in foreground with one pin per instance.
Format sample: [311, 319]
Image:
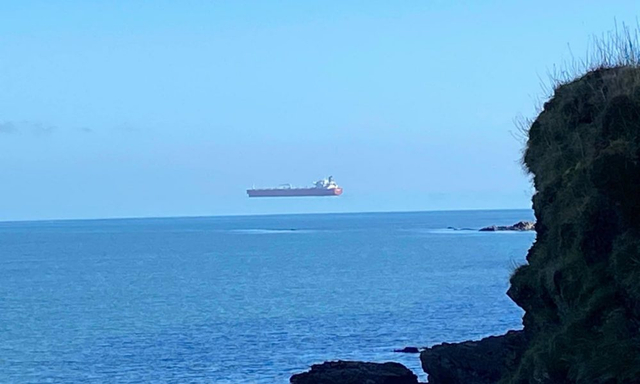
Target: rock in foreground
[519, 226]
[473, 362]
[355, 372]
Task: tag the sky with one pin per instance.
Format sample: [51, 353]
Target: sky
[163, 108]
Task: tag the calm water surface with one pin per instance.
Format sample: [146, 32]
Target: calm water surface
[246, 299]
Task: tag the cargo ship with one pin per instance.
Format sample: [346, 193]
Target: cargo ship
[324, 187]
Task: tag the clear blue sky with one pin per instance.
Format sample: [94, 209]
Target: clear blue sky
[165, 108]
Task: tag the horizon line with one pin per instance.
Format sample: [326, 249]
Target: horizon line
[256, 215]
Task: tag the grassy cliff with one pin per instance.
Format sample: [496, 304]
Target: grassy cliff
[581, 286]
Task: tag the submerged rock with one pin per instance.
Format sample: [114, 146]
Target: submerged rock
[473, 362]
[355, 372]
[407, 350]
[460, 229]
[519, 226]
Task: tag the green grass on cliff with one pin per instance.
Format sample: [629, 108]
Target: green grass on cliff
[581, 287]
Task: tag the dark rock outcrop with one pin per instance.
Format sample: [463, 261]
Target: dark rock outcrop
[519, 226]
[356, 372]
[473, 362]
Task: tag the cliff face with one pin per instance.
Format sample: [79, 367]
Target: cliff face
[581, 286]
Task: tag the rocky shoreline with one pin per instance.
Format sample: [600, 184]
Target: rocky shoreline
[484, 361]
[519, 226]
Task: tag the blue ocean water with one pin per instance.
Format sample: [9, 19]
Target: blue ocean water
[246, 299]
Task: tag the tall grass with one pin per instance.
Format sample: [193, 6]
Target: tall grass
[619, 47]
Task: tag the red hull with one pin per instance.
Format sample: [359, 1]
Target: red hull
[293, 192]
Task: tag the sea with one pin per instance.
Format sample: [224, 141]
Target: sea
[247, 299]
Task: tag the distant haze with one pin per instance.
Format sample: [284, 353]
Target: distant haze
[127, 109]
